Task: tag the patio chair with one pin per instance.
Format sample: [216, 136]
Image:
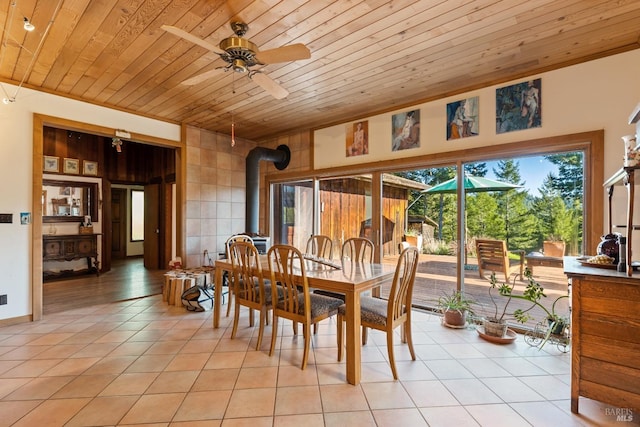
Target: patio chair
[551, 256]
[553, 248]
[227, 249]
[298, 304]
[387, 315]
[249, 286]
[494, 256]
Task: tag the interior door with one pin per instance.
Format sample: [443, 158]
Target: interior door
[105, 250]
[152, 237]
[118, 223]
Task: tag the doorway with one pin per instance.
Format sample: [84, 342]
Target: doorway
[118, 223]
[136, 158]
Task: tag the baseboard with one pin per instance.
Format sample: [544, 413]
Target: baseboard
[16, 320]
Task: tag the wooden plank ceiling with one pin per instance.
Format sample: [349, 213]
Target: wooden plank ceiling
[367, 56]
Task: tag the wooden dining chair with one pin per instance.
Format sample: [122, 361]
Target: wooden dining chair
[387, 315]
[298, 304]
[356, 251]
[249, 286]
[227, 249]
[319, 246]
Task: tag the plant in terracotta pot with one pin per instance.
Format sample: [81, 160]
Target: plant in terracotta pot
[496, 325]
[455, 306]
[413, 238]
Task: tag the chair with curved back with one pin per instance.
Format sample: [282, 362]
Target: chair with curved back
[356, 251]
[298, 304]
[250, 289]
[387, 315]
[227, 250]
[319, 246]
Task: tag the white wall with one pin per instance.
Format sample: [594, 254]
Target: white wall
[16, 142]
[596, 95]
[600, 94]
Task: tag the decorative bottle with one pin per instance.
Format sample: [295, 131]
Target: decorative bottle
[622, 253]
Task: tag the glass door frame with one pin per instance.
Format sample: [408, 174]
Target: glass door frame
[590, 143]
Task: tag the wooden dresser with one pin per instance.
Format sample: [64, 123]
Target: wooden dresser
[605, 335]
[67, 247]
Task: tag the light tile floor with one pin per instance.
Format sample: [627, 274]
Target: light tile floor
[146, 363]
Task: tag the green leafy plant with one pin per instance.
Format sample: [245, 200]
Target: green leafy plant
[532, 293]
[457, 301]
[455, 306]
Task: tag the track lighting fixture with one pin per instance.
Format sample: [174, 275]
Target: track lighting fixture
[28, 25]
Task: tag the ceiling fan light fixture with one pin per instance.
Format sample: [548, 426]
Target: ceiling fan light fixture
[241, 55]
[239, 66]
[28, 26]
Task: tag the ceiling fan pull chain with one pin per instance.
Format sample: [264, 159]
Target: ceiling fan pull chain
[233, 123]
[233, 133]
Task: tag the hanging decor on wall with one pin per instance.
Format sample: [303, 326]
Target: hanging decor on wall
[117, 143]
[357, 140]
[519, 106]
[462, 118]
[405, 130]
[51, 164]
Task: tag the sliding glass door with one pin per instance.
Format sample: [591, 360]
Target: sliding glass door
[292, 213]
[345, 209]
[541, 198]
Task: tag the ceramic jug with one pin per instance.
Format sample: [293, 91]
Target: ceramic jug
[631, 154]
[609, 246]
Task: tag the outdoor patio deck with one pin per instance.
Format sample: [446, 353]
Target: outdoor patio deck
[436, 276]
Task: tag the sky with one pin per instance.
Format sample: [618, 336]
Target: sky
[533, 171]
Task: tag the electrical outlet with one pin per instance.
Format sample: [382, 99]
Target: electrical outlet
[3, 299]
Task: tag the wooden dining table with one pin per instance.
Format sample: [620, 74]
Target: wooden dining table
[350, 279]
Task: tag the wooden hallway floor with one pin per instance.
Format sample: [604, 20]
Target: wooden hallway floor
[128, 279]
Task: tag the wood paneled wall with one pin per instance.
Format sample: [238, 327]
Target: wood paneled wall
[342, 205]
[136, 164]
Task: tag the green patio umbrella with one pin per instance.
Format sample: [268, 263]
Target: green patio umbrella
[472, 184]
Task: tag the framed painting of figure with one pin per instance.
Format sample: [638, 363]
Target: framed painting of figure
[519, 106]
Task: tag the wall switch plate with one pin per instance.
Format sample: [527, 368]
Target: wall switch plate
[3, 299]
[6, 218]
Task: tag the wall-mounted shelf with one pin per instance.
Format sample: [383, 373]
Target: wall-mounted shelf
[625, 176]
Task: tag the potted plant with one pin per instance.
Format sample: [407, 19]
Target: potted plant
[455, 306]
[496, 325]
[413, 238]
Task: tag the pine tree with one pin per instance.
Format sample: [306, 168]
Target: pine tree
[519, 223]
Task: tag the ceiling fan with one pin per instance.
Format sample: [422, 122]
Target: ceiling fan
[241, 55]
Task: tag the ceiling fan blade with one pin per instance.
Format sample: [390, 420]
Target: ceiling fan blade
[269, 85]
[193, 39]
[288, 53]
[202, 77]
